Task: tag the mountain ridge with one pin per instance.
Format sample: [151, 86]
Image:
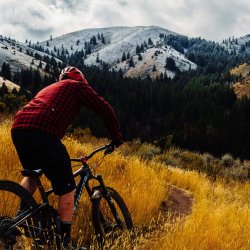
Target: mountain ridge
[118, 40]
[138, 51]
[108, 47]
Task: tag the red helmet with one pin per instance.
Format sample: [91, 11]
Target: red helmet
[71, 73]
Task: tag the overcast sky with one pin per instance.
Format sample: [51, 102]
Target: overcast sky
[36, 20]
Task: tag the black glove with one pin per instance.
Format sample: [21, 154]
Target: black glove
[117, 141]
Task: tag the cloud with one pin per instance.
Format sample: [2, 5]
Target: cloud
[38, 19]
[29, 19]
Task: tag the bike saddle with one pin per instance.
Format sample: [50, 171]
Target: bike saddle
[32, 173]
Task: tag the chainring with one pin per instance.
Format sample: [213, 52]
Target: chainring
[7, 236]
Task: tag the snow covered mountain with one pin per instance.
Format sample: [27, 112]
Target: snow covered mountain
[238, 45]
[109, 45]
[136, 51]
[21, 55]
[139, 51]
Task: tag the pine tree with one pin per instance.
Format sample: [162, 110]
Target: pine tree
[88, 50]
[93, 40]
[137, 50]
[47, 68]
[124, 57]
[131, 62]
[103, 39]
[170, 64]
[4, 90]
[149, 78]
[6, 72]
[150, 42]
[14, 91]
[97, 58]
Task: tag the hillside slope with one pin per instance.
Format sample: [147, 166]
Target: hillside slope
[10, 85]
[99, 46]
[242, 88]
[220, 214]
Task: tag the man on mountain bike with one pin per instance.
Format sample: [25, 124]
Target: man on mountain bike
[39, 126]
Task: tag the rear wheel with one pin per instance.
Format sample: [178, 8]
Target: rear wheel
[11, 196]
[108, 226]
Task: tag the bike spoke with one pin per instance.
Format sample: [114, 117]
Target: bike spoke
[10, 203]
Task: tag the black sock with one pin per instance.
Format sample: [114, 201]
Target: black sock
[65, 229]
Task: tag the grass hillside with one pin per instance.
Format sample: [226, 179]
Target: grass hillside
[143, 175]
[10, 85]
[242, 87]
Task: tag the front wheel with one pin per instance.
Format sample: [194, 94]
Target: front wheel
[110, 215]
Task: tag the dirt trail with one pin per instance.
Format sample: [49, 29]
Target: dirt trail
[177, 206]
[179, 203]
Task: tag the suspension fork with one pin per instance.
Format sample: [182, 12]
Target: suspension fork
[107, 196]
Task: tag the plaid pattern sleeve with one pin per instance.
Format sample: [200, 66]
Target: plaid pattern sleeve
[55, 107]
[96, 103]
[51, 110]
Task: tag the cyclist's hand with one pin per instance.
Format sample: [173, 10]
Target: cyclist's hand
[118, 140]
[117, 143]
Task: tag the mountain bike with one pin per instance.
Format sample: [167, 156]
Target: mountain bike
[40, 222]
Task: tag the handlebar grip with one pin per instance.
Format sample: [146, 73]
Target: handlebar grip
[110, 148]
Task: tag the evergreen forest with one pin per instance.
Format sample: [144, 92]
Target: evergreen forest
[197, 110]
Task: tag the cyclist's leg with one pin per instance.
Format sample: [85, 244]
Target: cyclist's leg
[59, 172]
[38, 149]
[29, 184]
[66, 206]
[65, 211]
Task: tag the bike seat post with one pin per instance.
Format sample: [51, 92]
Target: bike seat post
[41, 190]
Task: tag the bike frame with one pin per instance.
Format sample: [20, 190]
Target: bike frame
[85, 174]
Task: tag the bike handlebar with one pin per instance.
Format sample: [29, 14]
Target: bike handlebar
[109, 148]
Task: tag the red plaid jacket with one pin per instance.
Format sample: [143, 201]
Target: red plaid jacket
[54, 108]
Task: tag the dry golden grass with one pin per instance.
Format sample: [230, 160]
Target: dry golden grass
[142, 186]
[242, 69]
[220, 218]
[242, 88]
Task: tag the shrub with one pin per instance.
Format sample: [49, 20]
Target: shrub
[227, 160]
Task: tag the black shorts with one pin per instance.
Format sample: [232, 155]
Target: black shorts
[40, 150]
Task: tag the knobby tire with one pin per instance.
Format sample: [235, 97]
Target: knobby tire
[103, 223]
